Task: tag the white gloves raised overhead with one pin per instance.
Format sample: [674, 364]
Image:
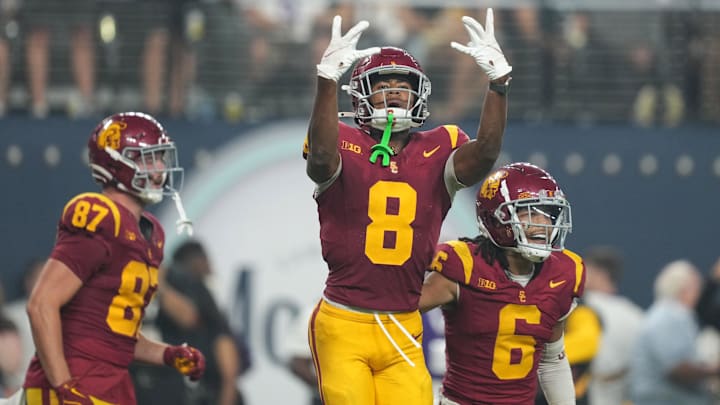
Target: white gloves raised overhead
[484, 47]
[341, 53]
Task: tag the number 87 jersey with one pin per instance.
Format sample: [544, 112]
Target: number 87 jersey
[102, 243]
[379, 224]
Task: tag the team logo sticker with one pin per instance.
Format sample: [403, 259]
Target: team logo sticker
[491, 185]
[110, 135]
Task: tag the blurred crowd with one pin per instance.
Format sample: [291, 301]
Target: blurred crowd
[244, 60]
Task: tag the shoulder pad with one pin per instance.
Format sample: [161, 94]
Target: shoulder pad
[457, 136]
[454, 260]
[579, 267]
[92, 212]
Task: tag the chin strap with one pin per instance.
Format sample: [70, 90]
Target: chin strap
[383, 148]
[183, 224]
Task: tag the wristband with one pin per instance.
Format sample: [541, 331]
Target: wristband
[501, 88]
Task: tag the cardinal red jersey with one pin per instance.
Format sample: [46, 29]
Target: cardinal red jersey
[496, 331]
[379, 225]
[102, 243]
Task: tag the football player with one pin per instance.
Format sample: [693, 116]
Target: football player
[382, 192]
[89, 301]
[506, 294]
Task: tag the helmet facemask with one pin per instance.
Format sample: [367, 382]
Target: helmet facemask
[157, 171]
[411, 115]
[521, 208]
[548, 218]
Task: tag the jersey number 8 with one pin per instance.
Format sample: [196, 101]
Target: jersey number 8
[385, 224]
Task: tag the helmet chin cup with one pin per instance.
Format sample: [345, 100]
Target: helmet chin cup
[147, 196]
[533, 254]
[152, 196]
[402, 119]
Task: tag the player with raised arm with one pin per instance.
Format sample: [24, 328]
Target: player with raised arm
[506, 294]
[382, 192]
[89, 301]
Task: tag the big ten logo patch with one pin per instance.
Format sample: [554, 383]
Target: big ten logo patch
[484, 283]
[351, 147]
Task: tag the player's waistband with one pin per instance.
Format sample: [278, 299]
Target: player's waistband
[362, 314]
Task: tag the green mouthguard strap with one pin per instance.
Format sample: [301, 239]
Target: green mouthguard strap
[383, 148]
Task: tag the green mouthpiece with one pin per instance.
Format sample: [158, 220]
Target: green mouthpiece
[383, 148]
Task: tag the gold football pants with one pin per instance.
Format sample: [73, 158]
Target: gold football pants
[357, 364]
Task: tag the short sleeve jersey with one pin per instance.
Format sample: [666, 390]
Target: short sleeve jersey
[496, 331]
[101, 242]
[379, 225]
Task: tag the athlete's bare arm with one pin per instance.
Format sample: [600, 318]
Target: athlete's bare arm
[56, 285]
[474, 160]
[437, 290]
[323, 157]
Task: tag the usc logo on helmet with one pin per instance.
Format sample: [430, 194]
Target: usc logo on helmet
[110, 135]
[491, 185]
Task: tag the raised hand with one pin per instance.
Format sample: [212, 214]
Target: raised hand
[342, 53]
[186, 359]
[484, 47]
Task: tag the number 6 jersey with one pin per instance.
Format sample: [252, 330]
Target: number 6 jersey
[102, 243]
[497, 329]
[379, 225]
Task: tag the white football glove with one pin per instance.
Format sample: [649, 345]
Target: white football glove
[341, 53]
[484, 47]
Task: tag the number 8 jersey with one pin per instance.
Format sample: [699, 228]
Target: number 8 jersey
[379, 225]
[102, 243]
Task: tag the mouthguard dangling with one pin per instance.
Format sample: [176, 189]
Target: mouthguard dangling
[383, 148]
[183, 224]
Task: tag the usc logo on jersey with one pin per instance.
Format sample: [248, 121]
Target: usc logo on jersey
[522, 297]
[110, 135]
[491, 185]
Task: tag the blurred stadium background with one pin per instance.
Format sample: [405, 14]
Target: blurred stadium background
[620, 100]
[589, 62]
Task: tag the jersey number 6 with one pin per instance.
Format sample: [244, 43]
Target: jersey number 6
[507, 340]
